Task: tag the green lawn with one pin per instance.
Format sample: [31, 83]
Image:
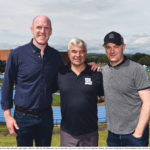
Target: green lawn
[149, 73]
[7, 140]
[56, 100]
[1, 80]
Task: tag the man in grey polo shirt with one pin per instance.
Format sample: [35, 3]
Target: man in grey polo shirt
[127, 96]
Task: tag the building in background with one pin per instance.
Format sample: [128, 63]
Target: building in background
[5, 53]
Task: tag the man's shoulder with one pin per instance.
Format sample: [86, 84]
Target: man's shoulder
[52, 49]
[52, 52]
[21, 48]
[104, 68]
[135, 65]
[64, 69]
[93, 73]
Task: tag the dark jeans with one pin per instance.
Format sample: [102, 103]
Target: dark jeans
[128, 139]
[34, 127]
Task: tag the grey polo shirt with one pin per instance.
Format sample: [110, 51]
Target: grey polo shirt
[121, 86]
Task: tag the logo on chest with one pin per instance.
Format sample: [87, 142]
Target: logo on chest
[88, 81]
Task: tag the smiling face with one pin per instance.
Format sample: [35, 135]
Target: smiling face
[41, 30]
[114, 53]
[77, 55]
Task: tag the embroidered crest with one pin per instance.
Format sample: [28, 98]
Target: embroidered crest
[88, 81]
[111, 36]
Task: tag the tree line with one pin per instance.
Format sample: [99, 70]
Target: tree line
[143, 59]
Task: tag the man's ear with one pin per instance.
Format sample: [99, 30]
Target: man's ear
[51, 31]
[124, 46]
[31, 28]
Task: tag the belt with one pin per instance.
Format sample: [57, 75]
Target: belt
[33, 112]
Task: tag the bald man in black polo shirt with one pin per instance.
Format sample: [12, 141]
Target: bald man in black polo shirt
[79, 88]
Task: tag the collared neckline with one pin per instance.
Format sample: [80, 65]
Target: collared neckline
[124, 60]
[36, 49]
[86, 70]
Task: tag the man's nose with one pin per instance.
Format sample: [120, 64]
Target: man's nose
[112, 50]
[42, 30]
[78, 54]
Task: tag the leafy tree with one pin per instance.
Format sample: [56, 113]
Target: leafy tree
[90, 59]
[141, 58]
[145, 60]
[104, 59]
[136, 57]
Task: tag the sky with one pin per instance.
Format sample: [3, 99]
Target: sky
[89, 20]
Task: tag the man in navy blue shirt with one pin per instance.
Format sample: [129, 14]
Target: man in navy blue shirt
[32, 69]
[79, 88]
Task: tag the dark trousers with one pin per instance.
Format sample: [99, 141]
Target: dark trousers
[34, 127]
[128, 139]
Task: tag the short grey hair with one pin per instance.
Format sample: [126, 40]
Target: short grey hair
[77, 42]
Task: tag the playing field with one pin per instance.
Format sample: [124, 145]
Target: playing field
[6, 140]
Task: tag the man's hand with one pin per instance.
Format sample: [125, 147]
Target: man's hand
[144, 114]
[137, 135]
[10, 123]
[94, 66]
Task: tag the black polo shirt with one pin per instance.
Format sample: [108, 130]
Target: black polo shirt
[79, 100]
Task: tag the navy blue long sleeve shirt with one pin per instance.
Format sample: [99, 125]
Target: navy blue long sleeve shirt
[32, 75]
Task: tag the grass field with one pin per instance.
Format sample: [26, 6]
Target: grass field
[6, 140]
[149, 73]
[56, 100]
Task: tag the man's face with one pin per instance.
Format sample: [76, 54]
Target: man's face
[77, 55]
[114, 53]
[41, 30]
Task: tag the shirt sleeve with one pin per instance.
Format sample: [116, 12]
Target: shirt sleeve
[142, 80]
[55, 87]
[8, 83]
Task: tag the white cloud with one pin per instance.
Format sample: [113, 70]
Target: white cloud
[87, 19]
[139, 43]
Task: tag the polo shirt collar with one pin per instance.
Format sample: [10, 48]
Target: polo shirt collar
[86, 70]
[124, 60]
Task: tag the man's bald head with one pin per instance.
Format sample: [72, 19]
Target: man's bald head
[41, 30]
[41, 17]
